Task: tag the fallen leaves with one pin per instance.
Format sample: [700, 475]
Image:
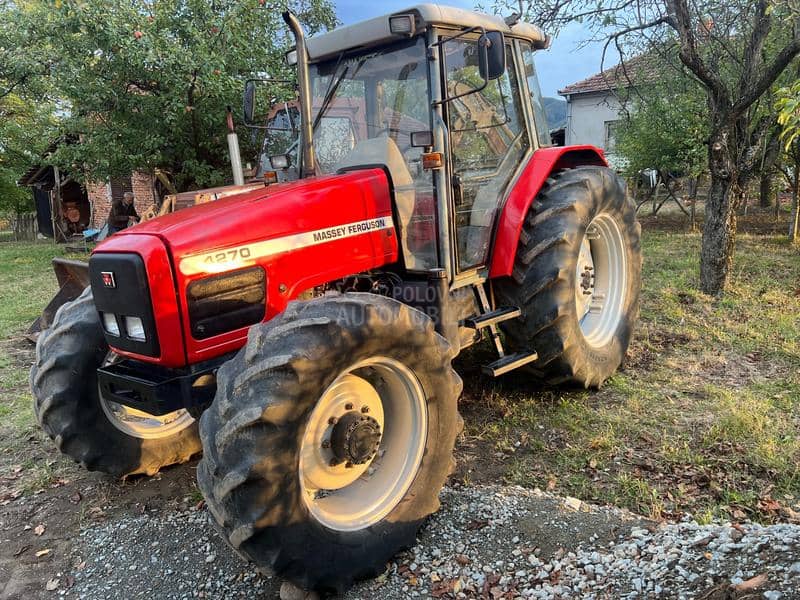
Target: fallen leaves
[43, 552]
[751, 584]
[39, 529]
[52, 584]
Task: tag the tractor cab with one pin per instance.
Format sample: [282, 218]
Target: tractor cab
[445, 100]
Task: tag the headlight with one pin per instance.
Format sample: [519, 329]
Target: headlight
[135, 329]
[402, 25]
[110, 324]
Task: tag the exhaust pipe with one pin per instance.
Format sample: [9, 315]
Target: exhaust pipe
[308, 166]
[233, 150]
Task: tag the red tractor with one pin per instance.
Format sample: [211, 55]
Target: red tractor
[301, 335]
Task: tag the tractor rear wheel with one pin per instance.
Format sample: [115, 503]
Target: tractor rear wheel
[99, 434]
[577, 277]
[330, 437]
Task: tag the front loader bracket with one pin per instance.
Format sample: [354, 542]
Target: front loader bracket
[73, 278]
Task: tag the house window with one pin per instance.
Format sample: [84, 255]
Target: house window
[610, 136]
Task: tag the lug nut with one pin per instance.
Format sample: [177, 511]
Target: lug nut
[348, 465]
[333, 421]
[326, 443]
[348, 406]
[365, 409]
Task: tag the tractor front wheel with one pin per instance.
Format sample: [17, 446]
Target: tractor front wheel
[99, 434]
[330, 437]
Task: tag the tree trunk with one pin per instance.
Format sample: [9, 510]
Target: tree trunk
[765, 191]
[794, 222]
[719, 229]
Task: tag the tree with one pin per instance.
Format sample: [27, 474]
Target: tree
[146, 84]
[25, 128]
[736, 51]
[665, 129]
[25, 108]
[788, 105]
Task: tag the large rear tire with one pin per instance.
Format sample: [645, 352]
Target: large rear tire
[577, 277]
[100, 435]
[330, 437]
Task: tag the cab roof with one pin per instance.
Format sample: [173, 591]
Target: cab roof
[373, 32]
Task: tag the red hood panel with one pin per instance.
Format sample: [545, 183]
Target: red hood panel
[303, 234]
[268, 212]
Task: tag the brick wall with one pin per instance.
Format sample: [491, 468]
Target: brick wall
[101, 202]
[101, 194]
[142, 184]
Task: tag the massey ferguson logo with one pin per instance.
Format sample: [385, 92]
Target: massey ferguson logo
[108, 279]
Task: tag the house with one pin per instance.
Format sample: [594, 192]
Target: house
[66, 208]
[596, 105]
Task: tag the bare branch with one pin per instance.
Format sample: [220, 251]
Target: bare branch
[682, 23]
[769, 74]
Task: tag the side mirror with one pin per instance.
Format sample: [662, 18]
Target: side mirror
[488, 55]
[258, 105]
[249, 101]
[492, 62]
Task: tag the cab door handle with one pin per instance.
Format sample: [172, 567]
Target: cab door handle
[458, 190]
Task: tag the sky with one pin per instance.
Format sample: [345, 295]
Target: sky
[565, 62]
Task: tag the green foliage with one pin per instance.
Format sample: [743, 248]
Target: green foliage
[25, 127]
[146, 84]
[666, 129]
[788, 106]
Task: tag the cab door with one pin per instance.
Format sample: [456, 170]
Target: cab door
[488, 140]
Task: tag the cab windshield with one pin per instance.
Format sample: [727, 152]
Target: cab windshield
[365, 107]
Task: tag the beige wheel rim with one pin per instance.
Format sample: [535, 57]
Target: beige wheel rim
[363, 444]
[139, 424]
[601, 280]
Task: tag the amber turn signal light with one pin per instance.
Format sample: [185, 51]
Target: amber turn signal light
[432, 160]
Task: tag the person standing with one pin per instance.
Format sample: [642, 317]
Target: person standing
[122, 214]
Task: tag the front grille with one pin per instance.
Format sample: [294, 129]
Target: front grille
[121, 291]
[225, 302]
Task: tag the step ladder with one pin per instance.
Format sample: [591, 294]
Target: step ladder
[488, 319]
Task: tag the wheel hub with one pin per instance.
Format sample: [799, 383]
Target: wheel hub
[355, 438]
[363, 444]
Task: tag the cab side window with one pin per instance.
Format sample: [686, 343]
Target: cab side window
[537, 102]
[488, 139]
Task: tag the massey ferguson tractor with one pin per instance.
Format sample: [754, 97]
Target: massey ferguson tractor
[300, 335]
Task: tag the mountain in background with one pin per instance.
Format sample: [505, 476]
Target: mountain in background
[556, 110]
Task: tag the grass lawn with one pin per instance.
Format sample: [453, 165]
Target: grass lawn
[703, 419]
[27, 283]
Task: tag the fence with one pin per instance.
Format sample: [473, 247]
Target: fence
[20, 227]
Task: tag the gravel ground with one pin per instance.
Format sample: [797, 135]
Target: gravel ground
[486, 542]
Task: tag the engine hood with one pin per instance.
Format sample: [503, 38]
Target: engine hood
[292, 237]
[271, 212]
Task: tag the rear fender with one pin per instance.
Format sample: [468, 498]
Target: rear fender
[542, 164]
